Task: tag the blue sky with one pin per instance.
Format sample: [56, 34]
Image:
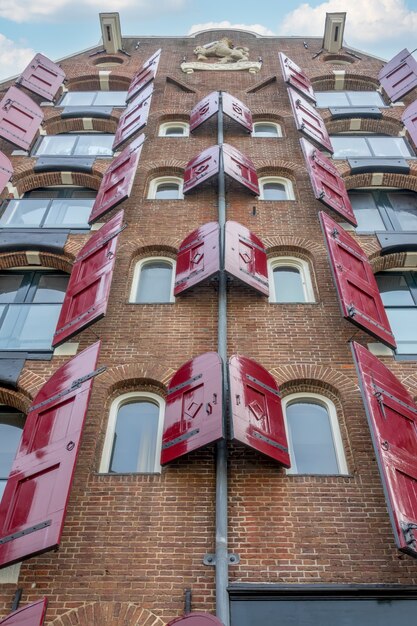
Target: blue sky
[61, 27]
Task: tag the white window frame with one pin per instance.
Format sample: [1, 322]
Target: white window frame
[136, 277]
[167, 125]
[162, 180]
[111, 427]
[277, 126]
[280, 180]
[334, 426]
[304, 269]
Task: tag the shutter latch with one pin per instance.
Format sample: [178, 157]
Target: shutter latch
[335, 233]
[407, 529]
[351, 310]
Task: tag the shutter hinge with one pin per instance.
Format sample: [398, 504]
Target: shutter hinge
[26, 531]
[180, 439]
[407, 529]
[74, 385]
[184, 384]
[269, 441]
[263, 385]
[100, 244]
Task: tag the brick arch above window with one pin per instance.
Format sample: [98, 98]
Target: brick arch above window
[384, 126]
[153, 377]
[91, 82]
[352, 82]
[22, 259]
[400, 181]
[306, 249]
[57, 125]
[25, 178]
[109, 613]
[21, 398]
[389, 261]
[318, 379]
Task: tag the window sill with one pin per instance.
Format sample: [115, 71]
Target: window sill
[150, 303]
[123, 474]
[295, 302]
[290, 475]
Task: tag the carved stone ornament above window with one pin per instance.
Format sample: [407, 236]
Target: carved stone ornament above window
[227, 55]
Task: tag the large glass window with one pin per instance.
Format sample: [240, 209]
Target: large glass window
[94, 98]
[30, 302]
[153, 281]
[399, 294]
[73, 145]
[11, 427]
[49, 208]
[326, 99]
[384, 209]
[357, 146]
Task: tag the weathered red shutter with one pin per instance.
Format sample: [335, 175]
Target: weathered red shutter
[295, 77]
[196, 619]
[117, 181]
[309, 121]
[194, 407]
[392, 418]
[198, 257]
[245, 257]
[134, 117]
[6, 171]
[201, 168]
[202, 111]
[328, 185]
[355, 282]
[90, 281]
[241, 168]
[30, 615]
[236, 110]
[257, 418]
[42, 76]
[399, 76]
[409, 118]
[20, 118]
[144, 76]
[34, 503]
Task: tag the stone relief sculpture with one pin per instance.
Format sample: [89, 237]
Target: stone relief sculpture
[223, 49]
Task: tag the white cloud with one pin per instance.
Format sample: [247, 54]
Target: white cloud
[255, 28]
[14, 57]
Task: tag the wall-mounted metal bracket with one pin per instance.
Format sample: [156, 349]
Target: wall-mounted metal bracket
[210, 559]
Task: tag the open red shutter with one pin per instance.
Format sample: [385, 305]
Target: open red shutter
[194, 407]
[117, 181]
[198, 257]
[245, 257]
[42, 76]
[328, 185]
[409, 118]
[399, 76]
[144, 76]
[236, 110]
[34, 503]
[196, 619]
[257, 418]
[241, 168]
[392, 418]
[134, 117]
[30, 615]
[90, 281]
[201, 168]
[6, 171]
[295, 77]
[202, 111]
[20, 118]
[355, 282]
[309, 121]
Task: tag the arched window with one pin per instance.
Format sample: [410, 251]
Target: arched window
[174, 129]
[153, 281]
[166, 188]
[398, 291]
[275, 188]
[384, 209]
[290, 280]
[134, 434]
[266, 129]
[314, 436]
[11, 427]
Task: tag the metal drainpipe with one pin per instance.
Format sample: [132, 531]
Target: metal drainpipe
[222, 563]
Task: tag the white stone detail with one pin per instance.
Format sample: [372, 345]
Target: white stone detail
[97, 225]
[66, 178]
[10, 575]
[251, 66]
[69, 348]
[104, 76]
[33, 258]
[355, 124]
[377, 179]
[410, 259]
[379, 349]
[339, 79]
[88, 123]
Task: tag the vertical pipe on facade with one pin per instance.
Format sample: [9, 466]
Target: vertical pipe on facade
[222, 563]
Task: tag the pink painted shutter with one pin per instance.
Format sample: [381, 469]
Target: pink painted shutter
[392, 418]
[236, 110]
[117, 181]
[241, 168]
[144, 76]
[355, 282]
[198, 257]
[328, 185]
[29, 615]
[399, 76]
[245, 257]
[201, 168]
[6, 171]
[34, 503]
[309, 121]
[202, 111]
[90, 281]
[134, 117]
[295, 77]
[42, 77]
[409, 118]
[20, 118]
[193, 413]
[257, 419]
[196, 619]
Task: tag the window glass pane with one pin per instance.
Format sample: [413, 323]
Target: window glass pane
[9, 286]
[94, 145]
[346, 147]
[389, 146]
[288, 285]
[56, 145]
[311, 438]
[134, 443]
[394, 289]
[24, 213]
[110, 98]
[82, 193]
[366, 211]
[48, 193]
[365, 98]
[29, 326]
[265, 130]
[405, 206]
[327, 99]
[69, 213]
[51, 288]
[175, 131]
[167, 191]
[403, 323]
[274, 191]
[11, 426]
[77, 98]
[155, 282]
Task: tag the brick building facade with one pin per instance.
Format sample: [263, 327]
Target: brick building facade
[134, 541]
